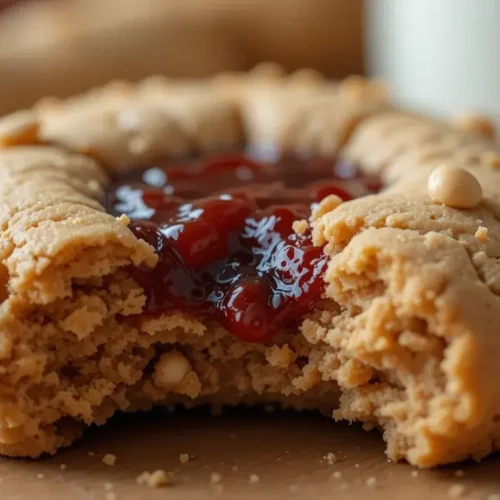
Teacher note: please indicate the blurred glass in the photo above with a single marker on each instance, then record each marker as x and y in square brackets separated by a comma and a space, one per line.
[440, 56]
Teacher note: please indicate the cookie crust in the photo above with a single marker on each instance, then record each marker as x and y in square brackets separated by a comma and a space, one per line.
[405, 338]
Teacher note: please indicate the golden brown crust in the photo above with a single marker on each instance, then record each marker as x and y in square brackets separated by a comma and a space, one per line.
[405, 335]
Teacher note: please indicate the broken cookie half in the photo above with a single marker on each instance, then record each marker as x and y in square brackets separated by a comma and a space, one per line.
[316, 266]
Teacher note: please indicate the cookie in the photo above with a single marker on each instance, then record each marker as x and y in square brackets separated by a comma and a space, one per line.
[134, 277]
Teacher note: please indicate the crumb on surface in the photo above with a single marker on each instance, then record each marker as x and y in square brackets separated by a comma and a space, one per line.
[253, 479]
[356, 465]
[185, 457]
[235, 468]
[63, 466]
[215, 478]
[155, 479]
[456, 490]
[331, 458]
[107, 486]
[109, 459]
[40, 475]
[482, 234]
[300, 226]
[459, 473]
[337, 475]
[414, 473]
[371, 482]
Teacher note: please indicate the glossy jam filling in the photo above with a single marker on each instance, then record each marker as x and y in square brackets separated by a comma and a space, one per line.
[222, 227]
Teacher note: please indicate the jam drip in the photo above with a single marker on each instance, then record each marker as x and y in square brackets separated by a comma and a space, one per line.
[222, 228]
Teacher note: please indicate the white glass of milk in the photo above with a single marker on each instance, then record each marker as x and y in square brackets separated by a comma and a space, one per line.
[440, 56]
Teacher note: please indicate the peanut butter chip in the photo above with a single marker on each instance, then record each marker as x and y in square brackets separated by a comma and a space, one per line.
[454, 187]
[170, 369]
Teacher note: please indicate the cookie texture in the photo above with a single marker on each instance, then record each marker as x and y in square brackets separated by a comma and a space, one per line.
[405, 338]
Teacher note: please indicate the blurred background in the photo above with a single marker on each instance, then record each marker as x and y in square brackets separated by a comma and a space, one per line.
[437, 55]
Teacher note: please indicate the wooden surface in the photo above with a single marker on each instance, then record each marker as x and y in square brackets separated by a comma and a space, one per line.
[285, 450]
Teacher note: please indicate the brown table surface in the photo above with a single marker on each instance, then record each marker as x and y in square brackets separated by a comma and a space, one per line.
[286, 450]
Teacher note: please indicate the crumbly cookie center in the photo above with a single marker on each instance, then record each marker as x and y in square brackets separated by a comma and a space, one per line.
[232, 235]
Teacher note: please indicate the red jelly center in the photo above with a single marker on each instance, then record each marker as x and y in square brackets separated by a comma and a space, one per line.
[222, 228]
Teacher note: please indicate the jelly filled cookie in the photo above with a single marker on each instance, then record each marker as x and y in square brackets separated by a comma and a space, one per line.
[253, 238]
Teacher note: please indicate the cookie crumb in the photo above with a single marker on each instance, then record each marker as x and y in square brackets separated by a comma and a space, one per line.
[356, 465]
[459, 473]
[215, 478]
[331, 458]
[62, 466]
[40, 475]
[456, 490]
[155, 479]
[185, 457]
[337, 475]
[482, 234]
[123, 219]
[414, 473]
[253, 479]
[300, 226]
[331, 202]
[109, 459]
[371, 482]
